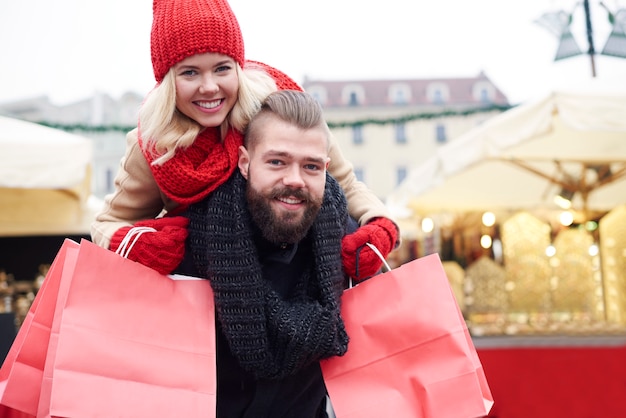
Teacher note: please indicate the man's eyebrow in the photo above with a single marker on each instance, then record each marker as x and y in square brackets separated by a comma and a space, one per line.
[316, 160]
[285, 154]
[275, 153]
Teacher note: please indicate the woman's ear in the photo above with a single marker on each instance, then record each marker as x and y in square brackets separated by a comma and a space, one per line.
[244, 161]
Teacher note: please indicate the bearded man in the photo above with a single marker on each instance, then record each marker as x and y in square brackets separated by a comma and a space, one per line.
[269, 240]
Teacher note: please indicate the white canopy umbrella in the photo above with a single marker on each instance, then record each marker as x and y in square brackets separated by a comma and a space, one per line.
[45, 180]
[571, 138]
[37, 157]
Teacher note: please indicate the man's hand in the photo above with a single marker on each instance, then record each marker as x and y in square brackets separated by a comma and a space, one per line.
[380, 232]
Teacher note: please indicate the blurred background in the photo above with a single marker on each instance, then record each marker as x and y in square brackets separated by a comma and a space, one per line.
[467, 118]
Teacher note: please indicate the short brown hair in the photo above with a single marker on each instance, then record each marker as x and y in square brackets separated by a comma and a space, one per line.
[295, 107]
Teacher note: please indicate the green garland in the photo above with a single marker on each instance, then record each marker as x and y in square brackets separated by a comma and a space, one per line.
[87, 128]
[419, 116]
[397, 120]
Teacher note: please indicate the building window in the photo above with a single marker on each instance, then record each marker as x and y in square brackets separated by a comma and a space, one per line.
[353, 95]
[353, 99]
[401, 173]
[357, 134]
[438, 93]
[484, 96]
[399, 93]
[440, 133]
[359, 173]
[483, 92]
[400, 133]
[108, 178]
[319, 93]
[398, 97]
[438, 97]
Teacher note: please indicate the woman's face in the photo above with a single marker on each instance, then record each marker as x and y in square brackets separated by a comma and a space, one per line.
[206, 87]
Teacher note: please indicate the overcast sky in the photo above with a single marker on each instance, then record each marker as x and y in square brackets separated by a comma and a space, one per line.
[70, 49]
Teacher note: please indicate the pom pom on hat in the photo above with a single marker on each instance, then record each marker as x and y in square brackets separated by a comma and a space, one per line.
[182, 28]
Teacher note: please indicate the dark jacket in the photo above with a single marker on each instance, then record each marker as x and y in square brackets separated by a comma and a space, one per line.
[239, 393]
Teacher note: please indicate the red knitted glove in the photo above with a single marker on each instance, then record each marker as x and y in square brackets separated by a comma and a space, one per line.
[380, 232]
[163, 249]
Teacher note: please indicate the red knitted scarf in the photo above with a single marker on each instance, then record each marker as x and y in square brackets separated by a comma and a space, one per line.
[196, 171]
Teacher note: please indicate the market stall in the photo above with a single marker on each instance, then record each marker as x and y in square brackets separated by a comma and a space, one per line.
[45, 196]
[530, 207]
[45, 180]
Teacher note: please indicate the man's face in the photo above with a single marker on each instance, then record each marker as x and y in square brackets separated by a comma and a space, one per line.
[286, 173]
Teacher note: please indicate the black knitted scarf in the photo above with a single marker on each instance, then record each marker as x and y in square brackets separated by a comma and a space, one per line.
[271, 337]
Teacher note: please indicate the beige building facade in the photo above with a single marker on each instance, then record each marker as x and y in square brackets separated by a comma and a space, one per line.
[385, 127]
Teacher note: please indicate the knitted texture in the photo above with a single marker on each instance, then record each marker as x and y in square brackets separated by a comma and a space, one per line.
[283, 81]
[359, 261]
[271, 337]
[162, 250]
[182, 28]
[199, 169]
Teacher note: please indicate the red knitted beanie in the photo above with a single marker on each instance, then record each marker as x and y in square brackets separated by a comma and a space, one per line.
[182, 28]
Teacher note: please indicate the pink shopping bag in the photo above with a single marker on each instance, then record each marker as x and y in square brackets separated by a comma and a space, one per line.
[130, 343]
[410, 353]
[22, 371]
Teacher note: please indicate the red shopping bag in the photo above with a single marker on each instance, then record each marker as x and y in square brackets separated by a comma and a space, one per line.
[6, 412]
[130, 343]
[22, 371]
[410, 353]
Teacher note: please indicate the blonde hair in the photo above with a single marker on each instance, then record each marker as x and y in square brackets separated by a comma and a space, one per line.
[164, 129]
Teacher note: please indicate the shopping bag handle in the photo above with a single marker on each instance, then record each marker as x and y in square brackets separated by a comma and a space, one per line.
[379, 254]
[131, 238]
[376, 251]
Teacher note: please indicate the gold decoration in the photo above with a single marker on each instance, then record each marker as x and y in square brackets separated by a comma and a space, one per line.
[456, 276]
[575, 292]
[525, 239]
[487, 298]
[612, 229]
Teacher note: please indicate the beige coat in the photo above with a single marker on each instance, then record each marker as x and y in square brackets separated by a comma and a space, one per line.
[137, 196]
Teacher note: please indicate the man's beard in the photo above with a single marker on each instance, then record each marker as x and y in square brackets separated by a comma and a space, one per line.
[282, 228]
